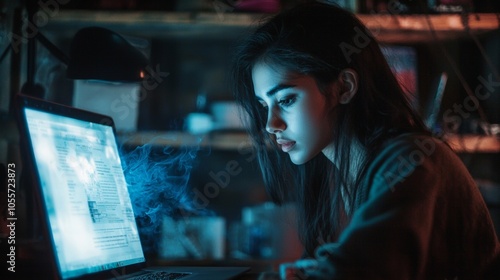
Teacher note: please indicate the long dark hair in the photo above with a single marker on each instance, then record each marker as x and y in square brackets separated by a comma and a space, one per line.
[320, 40]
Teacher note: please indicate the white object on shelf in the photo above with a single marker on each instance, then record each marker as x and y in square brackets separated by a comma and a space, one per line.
[193, 237]
[117, 100]
[199, 123]
[227, 115]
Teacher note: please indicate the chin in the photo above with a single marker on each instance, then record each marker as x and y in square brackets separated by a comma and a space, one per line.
[299, 157]
[299, 160]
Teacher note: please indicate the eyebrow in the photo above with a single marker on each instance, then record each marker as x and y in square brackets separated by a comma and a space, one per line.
[277, 88]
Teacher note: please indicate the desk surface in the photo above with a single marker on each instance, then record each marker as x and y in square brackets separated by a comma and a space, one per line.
[31, 258]
[257, 267]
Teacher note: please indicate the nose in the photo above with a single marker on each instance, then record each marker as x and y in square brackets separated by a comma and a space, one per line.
[275, 123]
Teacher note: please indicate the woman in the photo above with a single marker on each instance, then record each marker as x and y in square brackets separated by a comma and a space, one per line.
[378, 197]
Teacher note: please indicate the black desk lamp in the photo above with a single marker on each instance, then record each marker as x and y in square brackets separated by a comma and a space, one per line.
[96, 53]
[100, 54]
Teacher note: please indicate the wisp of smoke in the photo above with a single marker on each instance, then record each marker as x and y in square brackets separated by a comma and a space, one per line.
[157, 178]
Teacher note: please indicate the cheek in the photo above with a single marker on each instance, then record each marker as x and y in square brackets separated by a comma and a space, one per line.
[313, 126]
[320, 126]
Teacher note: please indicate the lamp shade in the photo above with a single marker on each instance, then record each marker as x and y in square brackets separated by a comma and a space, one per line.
[98, 53]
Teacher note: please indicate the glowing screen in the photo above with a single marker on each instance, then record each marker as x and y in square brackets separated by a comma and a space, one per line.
[84, 189]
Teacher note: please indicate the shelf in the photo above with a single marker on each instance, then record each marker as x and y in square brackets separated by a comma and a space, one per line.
[152, 24]
[216, 140]
[473, 143]
[417, 28]
[386, 28]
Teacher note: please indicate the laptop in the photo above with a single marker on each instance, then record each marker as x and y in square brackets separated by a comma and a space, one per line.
[85, 205]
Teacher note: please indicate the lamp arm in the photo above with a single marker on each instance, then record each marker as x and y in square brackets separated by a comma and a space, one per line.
[52, 48]
[32, 8]
[5, 52]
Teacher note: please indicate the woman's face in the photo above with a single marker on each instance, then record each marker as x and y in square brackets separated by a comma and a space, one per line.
[299, 115]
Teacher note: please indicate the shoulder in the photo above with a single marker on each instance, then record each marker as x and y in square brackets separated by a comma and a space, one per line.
[412, 148]
[424, 158]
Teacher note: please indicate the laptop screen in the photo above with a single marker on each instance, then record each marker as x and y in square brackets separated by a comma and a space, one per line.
[83, 188]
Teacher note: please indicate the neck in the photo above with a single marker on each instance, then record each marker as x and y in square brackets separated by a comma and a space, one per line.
[357, 153]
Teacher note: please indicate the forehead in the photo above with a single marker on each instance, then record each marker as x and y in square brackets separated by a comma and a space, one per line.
[268, 80]
[263, 72]
[265, 77]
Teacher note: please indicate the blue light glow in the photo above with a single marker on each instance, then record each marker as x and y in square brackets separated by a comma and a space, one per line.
[158, 183]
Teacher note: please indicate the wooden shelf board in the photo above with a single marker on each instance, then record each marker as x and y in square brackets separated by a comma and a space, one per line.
[386, 28]
[473, 143]
[220, 141]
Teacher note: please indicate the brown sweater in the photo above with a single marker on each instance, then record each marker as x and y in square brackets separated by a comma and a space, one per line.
[419, 215]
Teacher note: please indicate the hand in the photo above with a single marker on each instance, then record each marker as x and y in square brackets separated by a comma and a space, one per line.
[299, 270]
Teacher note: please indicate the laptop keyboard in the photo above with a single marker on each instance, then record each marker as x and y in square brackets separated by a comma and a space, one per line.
[161, 275]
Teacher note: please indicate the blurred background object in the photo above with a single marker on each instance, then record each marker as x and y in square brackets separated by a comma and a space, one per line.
[266, 231]
[193, 238]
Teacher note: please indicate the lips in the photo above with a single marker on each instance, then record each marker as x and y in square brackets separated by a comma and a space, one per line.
[286, 145]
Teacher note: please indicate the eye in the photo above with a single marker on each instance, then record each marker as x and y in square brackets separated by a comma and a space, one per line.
[287, 101]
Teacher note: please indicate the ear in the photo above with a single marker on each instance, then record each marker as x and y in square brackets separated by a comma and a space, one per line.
[349, 80]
